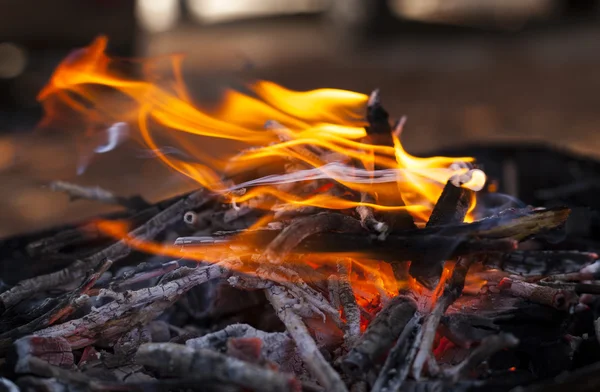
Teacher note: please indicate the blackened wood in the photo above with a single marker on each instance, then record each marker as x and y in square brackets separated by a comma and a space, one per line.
[301, 228]
[133, 308]
[379, 336]
[284, 305]
[451, 208]
[557, 298]
[59, 308]
[518, 224]
[452, 290]
[177, 360]
[533, 263]
[488, 347]
[277, 347]
[397, 364]
[394, 248]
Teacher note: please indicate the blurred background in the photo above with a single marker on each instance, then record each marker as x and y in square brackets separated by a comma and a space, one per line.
[463, 71]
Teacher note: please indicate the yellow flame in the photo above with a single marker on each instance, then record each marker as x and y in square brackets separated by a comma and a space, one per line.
[305, 129]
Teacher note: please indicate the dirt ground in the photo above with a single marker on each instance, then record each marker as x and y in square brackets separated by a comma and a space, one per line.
[455, 88]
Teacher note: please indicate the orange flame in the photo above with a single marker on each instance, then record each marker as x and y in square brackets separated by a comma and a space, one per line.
[320, 132]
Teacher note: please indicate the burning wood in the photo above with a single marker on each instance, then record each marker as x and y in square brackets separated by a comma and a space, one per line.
[319, 217]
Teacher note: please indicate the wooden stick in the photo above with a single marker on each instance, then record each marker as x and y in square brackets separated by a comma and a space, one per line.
[379, 336]
[116, 317]
[557, 298]
[114, 252]
[397, 364]
[304, 227]
[452, 290]
[202, 364]
[394, 248]
[307, 348]
[488, 347]
[533, 263]
[451, 208]
[348, 302]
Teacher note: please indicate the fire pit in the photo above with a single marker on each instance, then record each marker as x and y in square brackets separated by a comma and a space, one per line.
[320, 257]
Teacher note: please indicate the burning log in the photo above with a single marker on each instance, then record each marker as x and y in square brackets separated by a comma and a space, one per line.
[557, 298]
[538, 263]
[206, 365]
[451, 208]
[394, 248]
[379, 336]
[307, 348]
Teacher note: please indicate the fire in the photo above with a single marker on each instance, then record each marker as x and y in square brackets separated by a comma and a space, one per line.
[316, 136]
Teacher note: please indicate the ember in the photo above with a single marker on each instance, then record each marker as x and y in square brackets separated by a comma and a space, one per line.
[376, 273]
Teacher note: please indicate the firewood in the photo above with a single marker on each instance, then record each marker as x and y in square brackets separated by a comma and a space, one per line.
[451, 208]
[116, 317]
[202, 364]
[488, 347]
[302, 228]
[114, 252]
[379, 336]
[348, 301]
[61, 308]
[557, 298]
[278, 347]
[54, 350]
[394, 248]
[452, 290]
[397, 364]
[585, 379]
[532, 263]
[313, 358]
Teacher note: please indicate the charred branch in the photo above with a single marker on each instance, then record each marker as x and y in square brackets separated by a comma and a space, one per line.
[544, 295]
[394, 248]
[302, 228]
[538, 263]
[116, 317]
[488, 347]
[114, 252]
[379, 336]
[348, 301]
[307, 348]
[397, 364]
[177, 360]
[451, 208]
[277, 347]
[452, 290]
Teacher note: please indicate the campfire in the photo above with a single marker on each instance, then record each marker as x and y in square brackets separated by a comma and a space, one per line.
[320, 256]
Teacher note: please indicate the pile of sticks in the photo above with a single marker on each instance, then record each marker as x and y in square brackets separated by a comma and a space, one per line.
[95, 313]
